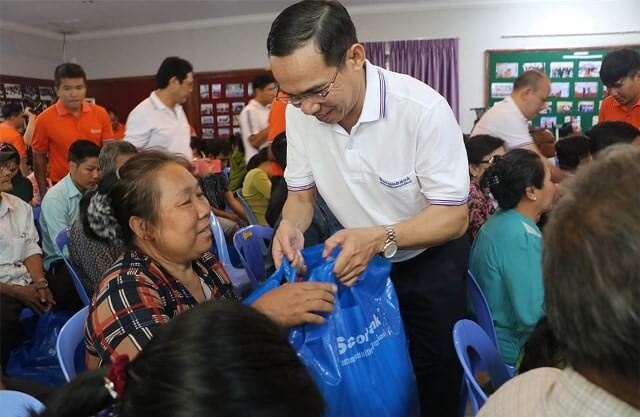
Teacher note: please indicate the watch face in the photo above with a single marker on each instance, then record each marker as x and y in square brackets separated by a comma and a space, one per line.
[390, 250]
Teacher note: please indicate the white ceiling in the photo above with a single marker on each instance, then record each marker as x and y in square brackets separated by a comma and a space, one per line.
[104, 16]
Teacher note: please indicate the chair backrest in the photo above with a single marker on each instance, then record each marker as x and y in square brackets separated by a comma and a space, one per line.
[70, 338]
[476, 352]
[481, 308]
[251, 216]
[62, 240]
[242, 284]
[18, 404]
[252, 248]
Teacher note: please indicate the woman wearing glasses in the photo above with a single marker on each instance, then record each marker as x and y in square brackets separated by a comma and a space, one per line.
[480, 151]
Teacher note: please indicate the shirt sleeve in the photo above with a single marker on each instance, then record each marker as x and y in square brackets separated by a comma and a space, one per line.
[262, 184]
[298, 174]
[248, 126]
[31, 235]
[107, 130]
[125, 317]
[53, 219]
[137, 130]
[441, 158]
[18, 142]
[605, 112]
[40, 139]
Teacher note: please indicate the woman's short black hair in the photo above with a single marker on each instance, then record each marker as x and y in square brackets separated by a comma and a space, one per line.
[510, 175]
[257, 159]
[479, 146]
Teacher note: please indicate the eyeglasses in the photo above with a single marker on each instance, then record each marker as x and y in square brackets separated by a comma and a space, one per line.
[491, 160]
[296, 100]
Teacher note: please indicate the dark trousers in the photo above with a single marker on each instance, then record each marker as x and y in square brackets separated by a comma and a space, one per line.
[431, 290]
[64, 293]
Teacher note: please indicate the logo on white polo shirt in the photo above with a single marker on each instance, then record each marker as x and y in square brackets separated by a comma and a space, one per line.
[398, 183]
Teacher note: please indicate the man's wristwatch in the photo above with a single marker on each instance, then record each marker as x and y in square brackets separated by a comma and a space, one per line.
[390, 245]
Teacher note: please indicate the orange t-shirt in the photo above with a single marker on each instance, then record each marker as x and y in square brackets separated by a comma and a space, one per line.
[612, 110]
[10, 134]
[277, 125]
[118, 133]
[56, 129]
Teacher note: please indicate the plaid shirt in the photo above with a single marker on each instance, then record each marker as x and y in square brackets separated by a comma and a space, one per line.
[136, 296]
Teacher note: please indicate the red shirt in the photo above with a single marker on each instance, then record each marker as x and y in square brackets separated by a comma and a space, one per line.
[612, 110]
[57, 129]
[10, 134]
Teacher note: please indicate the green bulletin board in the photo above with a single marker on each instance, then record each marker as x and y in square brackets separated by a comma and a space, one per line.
[576, 89]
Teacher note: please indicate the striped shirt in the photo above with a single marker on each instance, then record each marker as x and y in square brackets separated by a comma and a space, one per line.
[137, 295]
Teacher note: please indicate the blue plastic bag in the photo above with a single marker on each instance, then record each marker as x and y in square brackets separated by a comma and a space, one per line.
[36, 359]
[359, 357]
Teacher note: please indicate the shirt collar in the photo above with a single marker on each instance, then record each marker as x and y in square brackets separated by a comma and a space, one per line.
[375, 97]
[617, 104]
[158, 104]
[512, 102]
[5, 204]
[62, 110]
[70, 188]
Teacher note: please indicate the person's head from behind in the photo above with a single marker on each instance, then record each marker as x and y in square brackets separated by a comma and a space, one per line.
[114, 154]
[13, 115]
[84, 166]
[572, 152]
[530, 92]
[620, 73]
[590, 268]
[70, 83]
[219, 149]
[609, 133]
[113, 116]
[264, 88]
[317, 60]
[567, 129]
[9, 165]
[219, 359]
[279, 149]
[260, 161]
[520, 180]
[153, 204]
[480, 152]
[196, 147]
[544, 141]
[175, 79]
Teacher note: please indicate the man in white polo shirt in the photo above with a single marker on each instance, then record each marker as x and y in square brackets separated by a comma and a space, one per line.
[509, 118]
[254, 118]
[385, 152]
[159, 121]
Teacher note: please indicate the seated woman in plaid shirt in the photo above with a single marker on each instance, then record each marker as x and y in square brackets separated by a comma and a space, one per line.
[154, 204]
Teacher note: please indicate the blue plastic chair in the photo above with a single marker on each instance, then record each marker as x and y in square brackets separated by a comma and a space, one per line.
[62, 240]
[18, 404]
[476, 352]
[70, 344]
[242, 284]
[252, 248]
[251, 216]
[481, 308]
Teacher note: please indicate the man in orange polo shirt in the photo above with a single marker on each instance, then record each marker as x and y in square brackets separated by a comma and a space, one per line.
[13, 120]
[69, 120]
[277, 125]
[118, 128]
[620, 72]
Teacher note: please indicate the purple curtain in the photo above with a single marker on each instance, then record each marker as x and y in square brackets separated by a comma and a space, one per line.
[375, 52]
[434, 62]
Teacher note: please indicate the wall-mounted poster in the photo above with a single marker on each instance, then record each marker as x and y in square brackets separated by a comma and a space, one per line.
[237, 107]
[236, 131]
[574, 120]
[501, 89]
[234, 90]
[588, 89]
[223, 120]
[560, 90]
[206, 109]
[250, 89]
[507, 70]
[530, 66]
[31, 93]
[547, 108]
[1, 91]
[12, 91]
[548, 122]
[222, 108]
[564, 106]
[561, 70]
[216, 90]
[224, 132]
[207, 133]
[594, 120]
[46, 94]
[589, 69]
[206, 120]
[236, 120]
[586, 106]
[204, 91]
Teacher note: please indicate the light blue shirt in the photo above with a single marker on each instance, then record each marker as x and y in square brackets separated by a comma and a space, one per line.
[59, 209]
[506, 259]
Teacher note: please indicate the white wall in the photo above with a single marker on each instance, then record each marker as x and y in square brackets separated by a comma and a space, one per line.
[479, 27]
[28, 55]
